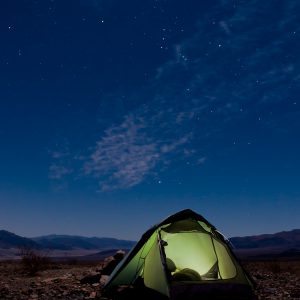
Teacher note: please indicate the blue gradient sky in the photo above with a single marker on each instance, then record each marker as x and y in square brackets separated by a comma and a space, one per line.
[115, 114]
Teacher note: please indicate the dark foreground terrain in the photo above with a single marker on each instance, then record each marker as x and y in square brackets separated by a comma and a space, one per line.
[275, 280]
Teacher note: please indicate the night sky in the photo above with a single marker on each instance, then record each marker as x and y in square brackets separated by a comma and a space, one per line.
[115, 114]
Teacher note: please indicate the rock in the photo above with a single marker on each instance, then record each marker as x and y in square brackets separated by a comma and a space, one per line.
[95, 284]
[104, 279]
[93, 295]
[107, 270]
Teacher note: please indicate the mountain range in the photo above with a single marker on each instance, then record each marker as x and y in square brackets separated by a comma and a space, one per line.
[61, 242]
[286, 242]
[69, 242]
[284, 239]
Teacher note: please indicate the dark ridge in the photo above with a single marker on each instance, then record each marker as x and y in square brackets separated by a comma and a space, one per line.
[10, 240]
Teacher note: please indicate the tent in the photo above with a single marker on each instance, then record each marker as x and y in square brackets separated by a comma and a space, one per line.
[183, 257]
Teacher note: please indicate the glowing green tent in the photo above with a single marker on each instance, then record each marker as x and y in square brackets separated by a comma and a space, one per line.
[183, 257]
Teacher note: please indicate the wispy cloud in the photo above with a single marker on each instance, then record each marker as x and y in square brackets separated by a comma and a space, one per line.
[57, 172]
[60, 165]
[201, 160]
[127, 154]
[225, 27]
[59, 154]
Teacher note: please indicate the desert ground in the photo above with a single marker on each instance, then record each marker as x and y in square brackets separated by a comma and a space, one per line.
[276, 280]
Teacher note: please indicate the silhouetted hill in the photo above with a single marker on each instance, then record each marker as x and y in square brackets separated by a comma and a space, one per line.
[284, 240]
[10, 240]
[69, 242]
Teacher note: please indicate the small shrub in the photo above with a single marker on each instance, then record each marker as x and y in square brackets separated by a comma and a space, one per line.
[33, 261]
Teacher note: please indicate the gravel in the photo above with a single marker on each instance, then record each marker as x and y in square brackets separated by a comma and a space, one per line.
[275, 281]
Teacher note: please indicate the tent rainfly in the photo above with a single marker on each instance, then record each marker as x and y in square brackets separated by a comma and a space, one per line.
[183, 257]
